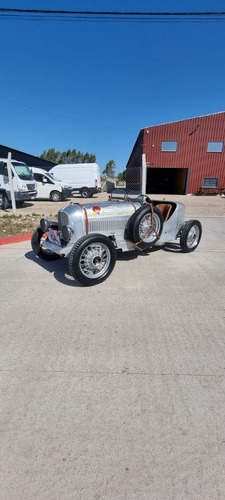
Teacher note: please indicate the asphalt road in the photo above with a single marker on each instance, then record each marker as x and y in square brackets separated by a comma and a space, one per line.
[115, 391]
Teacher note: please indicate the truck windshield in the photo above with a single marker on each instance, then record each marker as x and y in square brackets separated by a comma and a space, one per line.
[23, 171]
[52, 177]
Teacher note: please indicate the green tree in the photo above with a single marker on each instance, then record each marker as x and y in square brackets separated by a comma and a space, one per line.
[50, 155]
[110, 169]
[69, 156]
[121, 176]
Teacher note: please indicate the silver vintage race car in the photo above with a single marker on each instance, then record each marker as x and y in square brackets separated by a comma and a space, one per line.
[90, 234]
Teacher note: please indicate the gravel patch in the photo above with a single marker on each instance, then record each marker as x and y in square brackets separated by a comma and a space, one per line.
[195, 205]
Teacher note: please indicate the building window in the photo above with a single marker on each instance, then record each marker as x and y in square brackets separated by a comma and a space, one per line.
[169, 146]
[210, 182]
[215, 147]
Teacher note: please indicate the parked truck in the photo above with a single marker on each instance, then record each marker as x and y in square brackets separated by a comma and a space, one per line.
[49, 187]
[23, 183]
[83, 177]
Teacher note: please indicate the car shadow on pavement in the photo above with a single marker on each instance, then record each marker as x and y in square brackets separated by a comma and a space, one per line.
[172, 247]
[59, 268]
[134, 254]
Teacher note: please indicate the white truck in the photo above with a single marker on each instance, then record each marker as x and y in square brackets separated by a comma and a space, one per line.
[83, 177]
[23, 183]
[49, 187]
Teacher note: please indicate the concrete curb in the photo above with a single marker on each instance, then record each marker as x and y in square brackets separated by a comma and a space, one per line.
[15, 239]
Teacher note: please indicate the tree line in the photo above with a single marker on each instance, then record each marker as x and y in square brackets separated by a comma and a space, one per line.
[69, 156]
[74, 156]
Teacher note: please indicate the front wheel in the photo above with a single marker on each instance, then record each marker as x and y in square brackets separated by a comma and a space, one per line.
[37, 238]
[55, 196]
[92, 259]
[190, 236]
[5, 202]
[19, 203]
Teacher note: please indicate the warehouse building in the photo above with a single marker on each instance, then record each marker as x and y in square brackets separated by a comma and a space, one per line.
[186, 156]
[30, 160]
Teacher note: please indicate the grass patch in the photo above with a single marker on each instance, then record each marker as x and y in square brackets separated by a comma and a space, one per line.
[11, 225]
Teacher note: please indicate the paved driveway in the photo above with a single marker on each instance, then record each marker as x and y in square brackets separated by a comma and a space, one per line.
[115, 391]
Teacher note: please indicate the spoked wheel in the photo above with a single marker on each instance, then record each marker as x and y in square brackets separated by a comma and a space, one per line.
[141, 222]
[43, 253]
[92, 259]
[190, 236]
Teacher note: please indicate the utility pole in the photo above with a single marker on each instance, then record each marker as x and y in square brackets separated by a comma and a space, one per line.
[11, 182]
[143, 175]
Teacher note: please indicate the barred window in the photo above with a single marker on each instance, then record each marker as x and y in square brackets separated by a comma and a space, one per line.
[210, 182]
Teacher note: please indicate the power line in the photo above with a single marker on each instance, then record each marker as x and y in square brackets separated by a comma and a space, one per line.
[74, 15]
[116, 13]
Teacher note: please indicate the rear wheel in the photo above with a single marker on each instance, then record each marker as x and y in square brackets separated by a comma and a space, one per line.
[85, 193]
[36, 240]
[190, 236]
[55, 196]
[92, 259]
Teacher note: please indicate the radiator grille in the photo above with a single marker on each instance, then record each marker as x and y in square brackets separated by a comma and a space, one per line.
[62, 219]
[107, 224]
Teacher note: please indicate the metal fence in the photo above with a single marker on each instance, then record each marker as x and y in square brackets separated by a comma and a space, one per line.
[133, 178]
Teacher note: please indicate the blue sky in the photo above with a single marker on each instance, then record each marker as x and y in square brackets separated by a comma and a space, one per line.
[93, 85]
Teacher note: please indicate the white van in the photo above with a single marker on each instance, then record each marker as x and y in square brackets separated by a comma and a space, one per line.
[23, 183]
[83, 177]
[49, 187]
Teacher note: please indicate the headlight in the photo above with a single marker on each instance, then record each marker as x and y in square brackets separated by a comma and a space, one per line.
[66, 232]
[44, 225]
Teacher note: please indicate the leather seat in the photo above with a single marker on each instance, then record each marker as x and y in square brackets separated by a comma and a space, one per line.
[165, 208]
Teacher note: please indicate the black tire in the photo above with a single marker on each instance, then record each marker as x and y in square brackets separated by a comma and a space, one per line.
[92, 259]
[55, 196]
[85, 193]
[140, 221]
[36, 246]
[5, 202]
[190, 236]
[19, 203]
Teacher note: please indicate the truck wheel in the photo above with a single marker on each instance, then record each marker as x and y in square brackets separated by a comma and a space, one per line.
[140, 222]
[55, 196]
[36, 240]
[190, 236]
[5, 202]
[92, 259]
[85, 193]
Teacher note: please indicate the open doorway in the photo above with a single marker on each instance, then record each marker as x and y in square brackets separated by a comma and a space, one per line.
[167, 180]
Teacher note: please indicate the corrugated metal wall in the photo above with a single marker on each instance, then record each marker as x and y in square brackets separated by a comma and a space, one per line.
[192, 136]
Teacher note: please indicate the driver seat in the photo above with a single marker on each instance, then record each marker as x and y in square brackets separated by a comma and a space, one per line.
[165, 209]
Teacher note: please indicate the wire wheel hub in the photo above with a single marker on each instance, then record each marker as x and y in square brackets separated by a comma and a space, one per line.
[94, 260]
